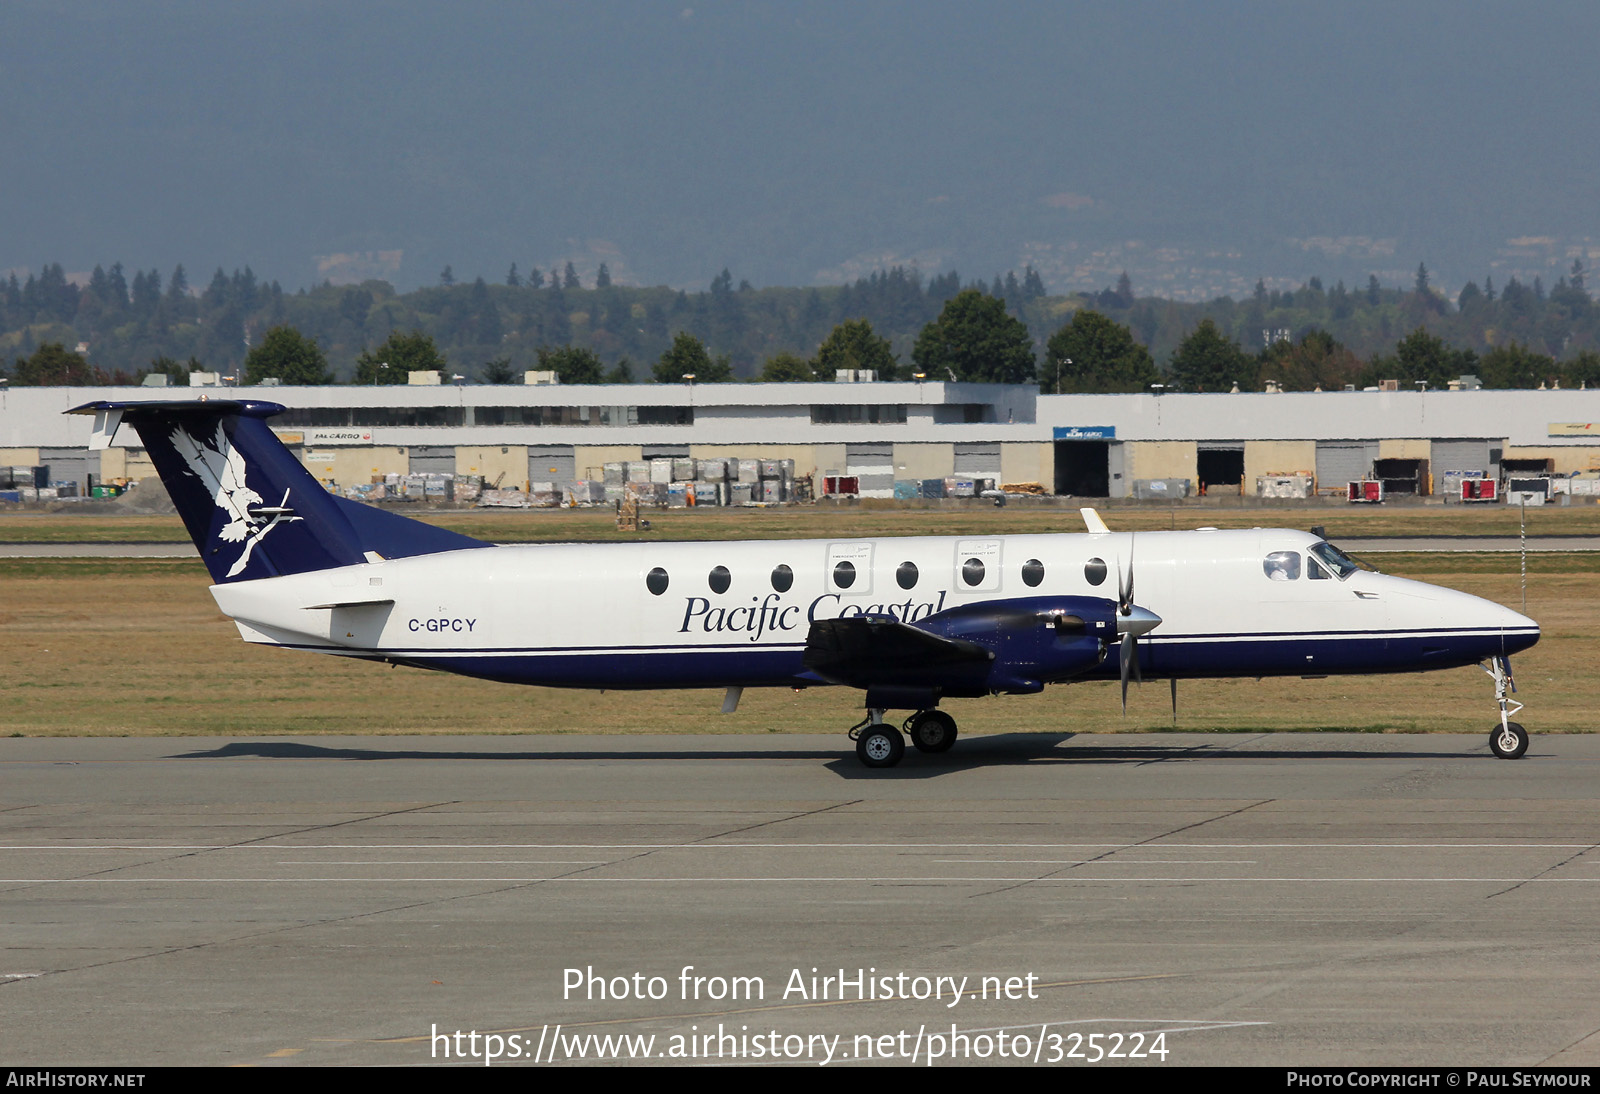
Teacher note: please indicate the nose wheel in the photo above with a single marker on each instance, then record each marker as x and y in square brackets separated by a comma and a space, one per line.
[1508, 740]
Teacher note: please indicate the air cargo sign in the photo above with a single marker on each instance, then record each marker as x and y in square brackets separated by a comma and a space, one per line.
[1084, 433]
[338, 436]
[764, 615]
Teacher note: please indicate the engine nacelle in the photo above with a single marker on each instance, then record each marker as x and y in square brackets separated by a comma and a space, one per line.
[1035, 640]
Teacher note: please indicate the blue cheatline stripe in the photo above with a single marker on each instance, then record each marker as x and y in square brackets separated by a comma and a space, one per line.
[517, 651]
[1152, 639]
[678, 666]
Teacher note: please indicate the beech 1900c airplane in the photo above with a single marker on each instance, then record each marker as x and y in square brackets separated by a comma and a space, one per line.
[909, 621]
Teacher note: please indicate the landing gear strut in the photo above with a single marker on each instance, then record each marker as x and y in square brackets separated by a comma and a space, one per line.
[1508, 740]
[879, 744]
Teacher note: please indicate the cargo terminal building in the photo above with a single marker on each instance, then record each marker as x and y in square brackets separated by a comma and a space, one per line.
[515, 436]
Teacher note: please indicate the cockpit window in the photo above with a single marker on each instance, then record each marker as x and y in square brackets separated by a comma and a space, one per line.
[1315, 571]
[1282, 565]
[1340, 563]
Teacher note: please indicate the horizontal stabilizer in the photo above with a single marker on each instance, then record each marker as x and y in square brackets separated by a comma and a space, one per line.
[350, 604]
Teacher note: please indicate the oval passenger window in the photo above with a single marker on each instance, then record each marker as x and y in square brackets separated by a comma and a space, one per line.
[906, 575]
[972, 572]
[782, 578]
[1032, 573]
[656, 581]
[1282, 565]
[719, 579]
[844, 575]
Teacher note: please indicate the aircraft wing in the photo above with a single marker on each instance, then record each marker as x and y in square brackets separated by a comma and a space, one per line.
[876, 651]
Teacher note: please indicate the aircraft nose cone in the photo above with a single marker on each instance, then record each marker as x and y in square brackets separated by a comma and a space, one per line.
[1517, 631]
[1138, 621]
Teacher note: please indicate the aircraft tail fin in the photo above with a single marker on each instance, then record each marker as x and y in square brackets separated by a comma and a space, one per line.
[250, 506]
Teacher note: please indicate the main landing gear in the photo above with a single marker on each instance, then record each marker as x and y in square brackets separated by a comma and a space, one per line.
[1508, 740]
[879, 744]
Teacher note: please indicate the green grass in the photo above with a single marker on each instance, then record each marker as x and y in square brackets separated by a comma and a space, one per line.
[878, 518]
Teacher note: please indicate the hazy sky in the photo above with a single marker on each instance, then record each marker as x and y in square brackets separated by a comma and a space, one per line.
[799, 143]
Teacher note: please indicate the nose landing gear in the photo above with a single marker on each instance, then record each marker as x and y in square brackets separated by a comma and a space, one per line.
[1508, 740]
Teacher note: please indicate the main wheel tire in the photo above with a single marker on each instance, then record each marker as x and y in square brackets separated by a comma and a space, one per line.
[932, 731]
[1509, 741]
[880, 746]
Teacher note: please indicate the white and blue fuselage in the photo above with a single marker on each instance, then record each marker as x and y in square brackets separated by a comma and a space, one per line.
[908, 621]
[696, 614]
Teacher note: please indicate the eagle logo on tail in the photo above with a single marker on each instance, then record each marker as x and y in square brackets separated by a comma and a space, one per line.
[221, 469]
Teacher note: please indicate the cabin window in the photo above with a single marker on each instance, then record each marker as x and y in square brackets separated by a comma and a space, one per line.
[1282, 565]
[1094, 571]
[719, 579]
[906, 575]
[972, 571]
[656, 581]
[782, 578]
[1032, 573]
[844, 575]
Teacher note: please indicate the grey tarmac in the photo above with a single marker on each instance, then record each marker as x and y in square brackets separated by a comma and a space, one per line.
[1262, 899]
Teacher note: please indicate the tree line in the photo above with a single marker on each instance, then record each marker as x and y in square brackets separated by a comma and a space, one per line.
[893, 322]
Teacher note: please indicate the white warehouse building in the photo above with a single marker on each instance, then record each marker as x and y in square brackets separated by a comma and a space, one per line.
[1084, 445]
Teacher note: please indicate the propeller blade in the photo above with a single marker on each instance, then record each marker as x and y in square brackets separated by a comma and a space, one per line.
[1174, 683]
[1127, 655]
[1133, 622]
[1127, 596]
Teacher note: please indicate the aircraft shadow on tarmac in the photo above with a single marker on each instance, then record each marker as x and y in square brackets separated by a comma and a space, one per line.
[994, 750]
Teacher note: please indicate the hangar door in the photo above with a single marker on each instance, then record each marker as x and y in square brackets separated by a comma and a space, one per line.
[1219, 465]
[70, 465]
[555, 463]
[432, 459]
[1083, 468]
[873, 465]
[1340, 462]
[977, 461]
[1460, 456]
